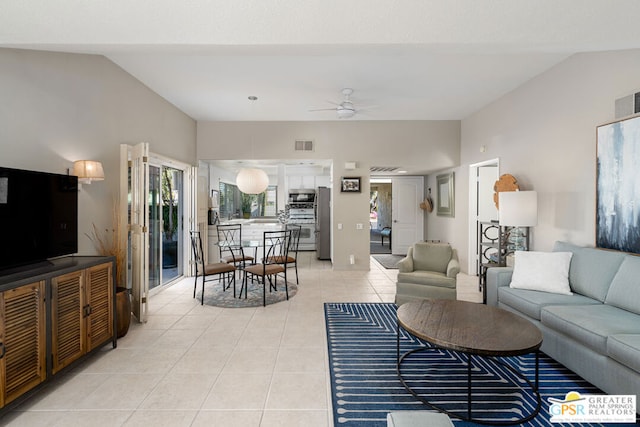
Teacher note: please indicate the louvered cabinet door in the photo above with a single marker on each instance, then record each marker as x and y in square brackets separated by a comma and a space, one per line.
[99, 294]
[68, 312]
[22, 333]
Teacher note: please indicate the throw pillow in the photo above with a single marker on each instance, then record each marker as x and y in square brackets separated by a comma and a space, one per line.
[542, 271]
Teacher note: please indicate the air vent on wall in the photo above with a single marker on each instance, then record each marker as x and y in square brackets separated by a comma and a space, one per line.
[383, 168]
[628, 105]
[304, 145]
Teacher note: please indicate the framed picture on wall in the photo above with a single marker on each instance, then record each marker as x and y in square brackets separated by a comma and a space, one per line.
[446, 197]
[350, 185]
[617, 185]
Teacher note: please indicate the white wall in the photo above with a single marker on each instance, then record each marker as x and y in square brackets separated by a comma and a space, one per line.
[429, 144]
[544, 133]
[451, 230]
[57, 107]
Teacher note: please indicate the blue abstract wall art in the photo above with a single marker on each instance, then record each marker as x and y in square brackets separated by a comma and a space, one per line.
[618, 186]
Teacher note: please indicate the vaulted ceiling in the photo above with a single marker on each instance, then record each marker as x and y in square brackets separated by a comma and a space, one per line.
[404, 59]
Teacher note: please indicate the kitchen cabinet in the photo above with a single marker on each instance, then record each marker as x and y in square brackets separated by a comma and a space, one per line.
[323, 181]
[212, 243]
[299, 182]
[22, 340]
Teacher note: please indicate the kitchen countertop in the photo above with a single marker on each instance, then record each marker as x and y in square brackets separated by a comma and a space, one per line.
[253, 221]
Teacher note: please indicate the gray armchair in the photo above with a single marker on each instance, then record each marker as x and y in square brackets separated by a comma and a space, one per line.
[428, 271]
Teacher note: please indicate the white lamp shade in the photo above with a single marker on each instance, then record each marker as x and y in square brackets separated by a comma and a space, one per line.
[518, 208]
[252, 181]
[88, 170]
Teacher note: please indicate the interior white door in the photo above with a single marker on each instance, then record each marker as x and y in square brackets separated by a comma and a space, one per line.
[139, 228]
[407, 225]
[487, 177]
[482, 177]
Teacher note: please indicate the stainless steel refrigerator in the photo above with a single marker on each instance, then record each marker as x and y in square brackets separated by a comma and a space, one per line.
[323, 223]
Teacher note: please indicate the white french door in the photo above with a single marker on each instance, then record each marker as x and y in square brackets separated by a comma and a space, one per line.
[134, 191]
[156, 211]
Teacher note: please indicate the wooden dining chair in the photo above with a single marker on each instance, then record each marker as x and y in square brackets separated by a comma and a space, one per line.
[276, 246]
[230, 245]
[220, 270]
[292, 255]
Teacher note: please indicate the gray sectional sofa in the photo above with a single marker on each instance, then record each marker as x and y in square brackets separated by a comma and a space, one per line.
[596, 331]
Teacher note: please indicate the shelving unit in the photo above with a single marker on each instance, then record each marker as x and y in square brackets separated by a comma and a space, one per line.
[494, 244]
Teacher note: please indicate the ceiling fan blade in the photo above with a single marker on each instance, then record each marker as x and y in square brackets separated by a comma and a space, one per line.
[323, 109]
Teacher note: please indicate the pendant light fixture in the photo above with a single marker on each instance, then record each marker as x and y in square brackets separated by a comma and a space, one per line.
[252, 180]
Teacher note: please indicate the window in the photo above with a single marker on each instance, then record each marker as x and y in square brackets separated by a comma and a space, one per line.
[236, 204]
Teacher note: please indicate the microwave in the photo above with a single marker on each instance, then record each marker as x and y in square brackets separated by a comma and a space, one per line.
[302, 196]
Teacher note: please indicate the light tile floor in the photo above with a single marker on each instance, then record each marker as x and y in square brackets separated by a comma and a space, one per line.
[193, 365]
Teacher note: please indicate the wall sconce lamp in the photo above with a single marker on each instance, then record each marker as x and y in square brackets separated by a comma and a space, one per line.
[88, 171]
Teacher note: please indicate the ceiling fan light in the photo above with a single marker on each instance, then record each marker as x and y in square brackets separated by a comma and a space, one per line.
[345, 113]
[252, 180]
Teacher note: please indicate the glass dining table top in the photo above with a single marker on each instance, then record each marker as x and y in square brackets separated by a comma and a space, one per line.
[241, 243]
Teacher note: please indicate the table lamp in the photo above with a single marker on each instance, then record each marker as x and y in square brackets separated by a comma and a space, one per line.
[518, 209]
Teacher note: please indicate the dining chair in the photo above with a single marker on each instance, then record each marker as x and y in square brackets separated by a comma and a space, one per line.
[292, 255]
[230, 245]
[219, 269]
[276, 246]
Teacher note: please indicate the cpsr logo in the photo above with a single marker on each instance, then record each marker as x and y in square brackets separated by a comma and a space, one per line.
[593, 408]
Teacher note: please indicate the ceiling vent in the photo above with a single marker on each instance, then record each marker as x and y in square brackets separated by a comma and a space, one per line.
[379, 169]
[303, 145]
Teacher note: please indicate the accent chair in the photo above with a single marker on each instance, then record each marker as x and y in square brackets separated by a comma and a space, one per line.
[428, 271]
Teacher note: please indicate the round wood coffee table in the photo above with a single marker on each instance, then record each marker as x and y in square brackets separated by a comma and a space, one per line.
[473, 329]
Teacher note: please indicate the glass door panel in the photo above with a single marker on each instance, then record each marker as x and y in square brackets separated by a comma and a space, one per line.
[155, 222]
[172, 208]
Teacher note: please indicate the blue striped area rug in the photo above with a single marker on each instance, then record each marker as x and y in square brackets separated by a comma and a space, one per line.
[365, 385]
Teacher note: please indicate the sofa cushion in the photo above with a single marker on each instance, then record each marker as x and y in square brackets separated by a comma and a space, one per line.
[591, 270]
[590, 324]
[431, 256]
[624, 291]
[625, 348]
[427, 278]
[542, 271]
[531, 302]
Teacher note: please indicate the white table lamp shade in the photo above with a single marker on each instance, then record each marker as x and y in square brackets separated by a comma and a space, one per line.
[252, 181]
[518, 208]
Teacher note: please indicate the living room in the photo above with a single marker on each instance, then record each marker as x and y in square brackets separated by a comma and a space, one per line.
[534, 130]
[59, 107]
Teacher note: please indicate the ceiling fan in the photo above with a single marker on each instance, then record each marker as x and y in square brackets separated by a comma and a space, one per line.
[345, 109]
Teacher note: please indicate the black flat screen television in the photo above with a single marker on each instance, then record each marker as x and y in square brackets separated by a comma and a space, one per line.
[38, 217]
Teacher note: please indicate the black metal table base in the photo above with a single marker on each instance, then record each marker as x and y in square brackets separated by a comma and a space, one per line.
[469, 417]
